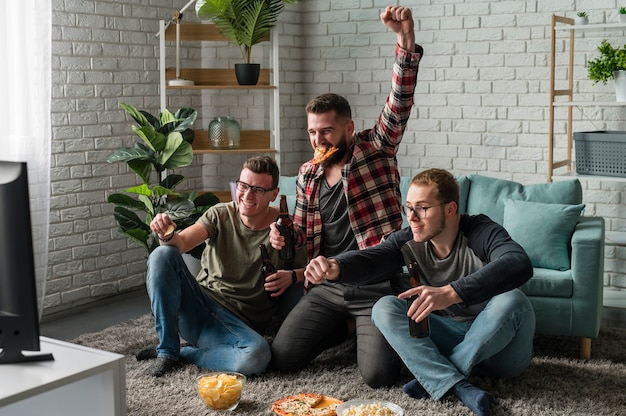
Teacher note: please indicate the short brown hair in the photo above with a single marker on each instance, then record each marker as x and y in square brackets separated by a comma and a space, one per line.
[330, 102]
[263, 164]
[447, 187]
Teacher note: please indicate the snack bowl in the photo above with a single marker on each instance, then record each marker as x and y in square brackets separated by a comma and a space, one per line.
[357, 404]
[221, 390]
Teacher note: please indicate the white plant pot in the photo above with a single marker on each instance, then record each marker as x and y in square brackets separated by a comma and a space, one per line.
[622, 18]
[581, 20]
[620, 86]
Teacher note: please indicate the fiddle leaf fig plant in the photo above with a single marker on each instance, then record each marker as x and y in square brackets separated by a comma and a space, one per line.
[243, 22]
[165, 144]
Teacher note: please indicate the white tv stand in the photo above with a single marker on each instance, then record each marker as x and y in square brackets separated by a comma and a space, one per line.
[80, 381]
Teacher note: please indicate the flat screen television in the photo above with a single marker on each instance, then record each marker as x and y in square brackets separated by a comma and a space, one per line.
[19, 319]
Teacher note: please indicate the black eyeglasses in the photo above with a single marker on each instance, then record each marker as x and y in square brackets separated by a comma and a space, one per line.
[419, 211]
[256, 190]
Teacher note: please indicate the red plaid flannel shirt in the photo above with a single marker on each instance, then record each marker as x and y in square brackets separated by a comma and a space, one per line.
[371, 181]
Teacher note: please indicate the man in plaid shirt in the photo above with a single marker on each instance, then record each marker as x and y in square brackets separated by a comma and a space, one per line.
[350, 201]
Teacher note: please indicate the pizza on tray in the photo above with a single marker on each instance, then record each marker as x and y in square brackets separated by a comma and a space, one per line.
[322, 153]
[306, 404]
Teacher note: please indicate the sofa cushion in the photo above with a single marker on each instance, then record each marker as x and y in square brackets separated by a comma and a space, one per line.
[543, 230]
[550, 283]
[287, 186]
[487, 195]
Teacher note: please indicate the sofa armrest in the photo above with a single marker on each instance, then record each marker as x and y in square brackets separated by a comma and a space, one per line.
[588, 273]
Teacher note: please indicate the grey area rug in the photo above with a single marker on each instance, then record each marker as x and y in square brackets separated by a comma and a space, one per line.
[556, 382]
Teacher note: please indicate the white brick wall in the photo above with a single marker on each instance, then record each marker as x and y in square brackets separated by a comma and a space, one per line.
[481, 107]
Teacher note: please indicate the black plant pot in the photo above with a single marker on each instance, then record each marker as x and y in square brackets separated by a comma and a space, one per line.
[247, 74]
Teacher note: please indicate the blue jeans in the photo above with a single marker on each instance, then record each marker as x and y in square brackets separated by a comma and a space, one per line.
[497, 343]
[182, 308]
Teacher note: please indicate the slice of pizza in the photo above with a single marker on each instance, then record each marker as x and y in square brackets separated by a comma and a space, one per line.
[330, 410]
[322, 153]
[297, 405]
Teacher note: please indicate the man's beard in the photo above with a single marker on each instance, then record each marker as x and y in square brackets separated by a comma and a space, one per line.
[337, 157]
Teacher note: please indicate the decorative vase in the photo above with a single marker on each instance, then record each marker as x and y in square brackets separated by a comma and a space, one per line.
[224, 133]
[622, 18]
[620, 86]
[581, 20]
[247, 74]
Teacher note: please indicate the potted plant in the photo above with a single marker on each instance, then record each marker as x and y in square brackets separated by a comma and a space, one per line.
[611, 64]
[165, 144]
[582, 18]
[245, 23]
[622, 14]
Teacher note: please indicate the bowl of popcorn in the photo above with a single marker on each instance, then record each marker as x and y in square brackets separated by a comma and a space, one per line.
[221, 390]
[369, 407]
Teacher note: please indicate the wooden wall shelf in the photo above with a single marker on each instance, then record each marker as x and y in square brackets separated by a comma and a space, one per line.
[252, 141]
[217, 78]
[197, 32]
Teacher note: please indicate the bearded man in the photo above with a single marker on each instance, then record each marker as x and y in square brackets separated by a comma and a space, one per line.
[348, 197]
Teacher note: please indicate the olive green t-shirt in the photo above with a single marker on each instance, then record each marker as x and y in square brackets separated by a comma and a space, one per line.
[231, 265]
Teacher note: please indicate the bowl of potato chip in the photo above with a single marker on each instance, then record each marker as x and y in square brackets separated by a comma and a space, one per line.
[221, 390]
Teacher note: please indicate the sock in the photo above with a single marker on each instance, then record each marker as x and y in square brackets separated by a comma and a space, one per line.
[477, 400]
[415, 390]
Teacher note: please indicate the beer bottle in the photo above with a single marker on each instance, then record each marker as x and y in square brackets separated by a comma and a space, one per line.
[416, 329]
[284, 224]
[267, 268]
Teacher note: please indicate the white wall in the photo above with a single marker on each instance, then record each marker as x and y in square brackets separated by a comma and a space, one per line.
[481, 107]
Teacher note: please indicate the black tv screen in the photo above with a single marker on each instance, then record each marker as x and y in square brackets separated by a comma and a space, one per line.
[19, 319]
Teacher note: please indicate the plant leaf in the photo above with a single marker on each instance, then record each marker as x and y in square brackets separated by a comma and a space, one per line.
[182, 155]
[125, 200]
[143, 168]
[137, 115]
[171, 181]
[128, 220]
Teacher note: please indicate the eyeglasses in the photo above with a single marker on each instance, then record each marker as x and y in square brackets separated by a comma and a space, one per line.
[257, 191]
[420, 212]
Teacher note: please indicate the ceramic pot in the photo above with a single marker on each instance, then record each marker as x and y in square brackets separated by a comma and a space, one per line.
[620, 86]
[581, 20]
[247, 74]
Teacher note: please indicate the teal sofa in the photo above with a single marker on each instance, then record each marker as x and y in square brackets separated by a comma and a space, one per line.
[565, 247]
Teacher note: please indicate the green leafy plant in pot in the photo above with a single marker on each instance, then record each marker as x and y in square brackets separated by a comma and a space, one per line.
[245, 23]
[611, 64]
[165, 144]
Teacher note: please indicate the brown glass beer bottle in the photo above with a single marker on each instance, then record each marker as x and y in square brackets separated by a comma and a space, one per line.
[416, 329]
[267, 268]
[284, 224]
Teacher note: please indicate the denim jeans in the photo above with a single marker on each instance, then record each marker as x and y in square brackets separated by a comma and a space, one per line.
[182, 308]
[497, 343]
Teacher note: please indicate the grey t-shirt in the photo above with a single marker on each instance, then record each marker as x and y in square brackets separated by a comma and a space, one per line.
[337, 234]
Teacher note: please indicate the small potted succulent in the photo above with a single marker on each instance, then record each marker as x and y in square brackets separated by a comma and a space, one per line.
[611, 64]
[582, 18]
[622, 14]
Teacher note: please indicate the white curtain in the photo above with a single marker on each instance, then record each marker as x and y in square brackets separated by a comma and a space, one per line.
[25, 85]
